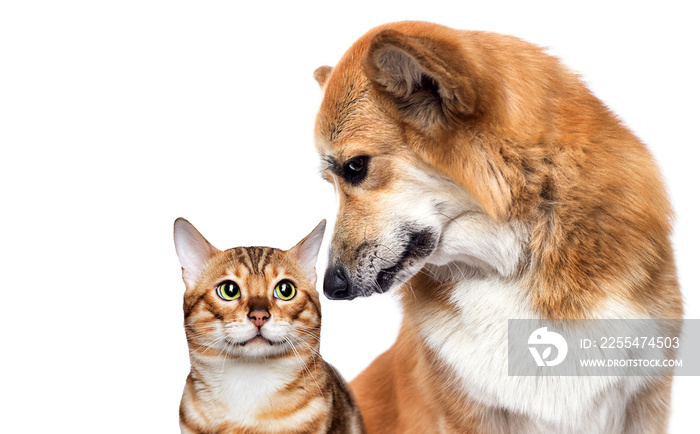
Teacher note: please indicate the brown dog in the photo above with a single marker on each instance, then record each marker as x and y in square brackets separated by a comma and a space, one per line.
[481, 179]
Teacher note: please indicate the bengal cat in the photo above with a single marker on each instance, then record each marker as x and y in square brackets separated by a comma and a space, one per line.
[252, 320]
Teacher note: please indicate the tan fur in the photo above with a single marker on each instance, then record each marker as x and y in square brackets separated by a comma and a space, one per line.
[524, 139]
[306, 395]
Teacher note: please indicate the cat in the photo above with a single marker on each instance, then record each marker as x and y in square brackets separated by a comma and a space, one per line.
[252, 320]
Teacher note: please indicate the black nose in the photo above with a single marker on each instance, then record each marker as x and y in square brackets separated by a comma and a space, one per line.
[336, 285]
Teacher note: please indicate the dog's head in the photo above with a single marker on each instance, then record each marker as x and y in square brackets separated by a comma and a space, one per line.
[469, 150]
[391, 113]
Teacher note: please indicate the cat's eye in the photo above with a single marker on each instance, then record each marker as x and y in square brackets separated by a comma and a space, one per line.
[285, 290]
[355, 170]
[228, 290]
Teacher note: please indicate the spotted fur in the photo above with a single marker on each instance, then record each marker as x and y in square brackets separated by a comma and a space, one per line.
[255, 362]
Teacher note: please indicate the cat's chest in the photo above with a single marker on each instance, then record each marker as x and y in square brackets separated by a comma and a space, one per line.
[245, 390]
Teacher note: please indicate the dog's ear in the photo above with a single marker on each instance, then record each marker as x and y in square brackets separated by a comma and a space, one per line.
[321, 74]
[427, 79]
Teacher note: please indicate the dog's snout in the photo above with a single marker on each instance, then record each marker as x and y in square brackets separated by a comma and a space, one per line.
[336, 284]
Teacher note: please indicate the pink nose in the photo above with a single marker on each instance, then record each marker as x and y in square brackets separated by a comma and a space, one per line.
[259, 317]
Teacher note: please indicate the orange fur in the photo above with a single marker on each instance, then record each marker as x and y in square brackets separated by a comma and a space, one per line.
[274, 381]
[531, 146]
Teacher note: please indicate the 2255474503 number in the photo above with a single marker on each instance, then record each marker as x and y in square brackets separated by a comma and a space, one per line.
[611, 342]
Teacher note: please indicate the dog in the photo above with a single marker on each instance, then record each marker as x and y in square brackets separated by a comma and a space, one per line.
[480, 180]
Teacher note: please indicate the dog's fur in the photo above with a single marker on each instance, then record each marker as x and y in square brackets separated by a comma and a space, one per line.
[495, 186]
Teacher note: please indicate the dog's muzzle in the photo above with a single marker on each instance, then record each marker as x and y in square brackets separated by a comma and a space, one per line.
[336, 285]
[339, 284]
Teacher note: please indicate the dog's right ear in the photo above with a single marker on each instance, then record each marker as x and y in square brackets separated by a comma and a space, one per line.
[427, 78]
[321, 74]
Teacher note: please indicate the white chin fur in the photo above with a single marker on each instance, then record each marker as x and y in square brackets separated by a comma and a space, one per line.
[467, 235]
[241, 340]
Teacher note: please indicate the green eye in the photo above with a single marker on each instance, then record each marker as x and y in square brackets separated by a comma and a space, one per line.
[228, 290]
[285, 290]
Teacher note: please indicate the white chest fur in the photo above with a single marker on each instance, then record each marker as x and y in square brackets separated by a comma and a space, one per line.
[473, 340]
[242, 390]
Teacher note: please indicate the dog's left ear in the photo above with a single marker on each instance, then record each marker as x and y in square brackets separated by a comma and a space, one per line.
[428, 79]
[321, 74]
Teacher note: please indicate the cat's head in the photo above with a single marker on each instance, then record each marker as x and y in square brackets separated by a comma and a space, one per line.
[249, 302]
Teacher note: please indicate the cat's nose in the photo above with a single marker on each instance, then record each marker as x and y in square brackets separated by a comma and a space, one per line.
[336, 284]
[259, 317]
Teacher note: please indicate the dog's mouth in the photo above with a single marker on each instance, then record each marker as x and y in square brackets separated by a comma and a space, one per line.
[339, 284]
[420, 245]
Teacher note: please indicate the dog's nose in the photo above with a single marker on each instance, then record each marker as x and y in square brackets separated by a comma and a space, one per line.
[336, 285]
[259, 317]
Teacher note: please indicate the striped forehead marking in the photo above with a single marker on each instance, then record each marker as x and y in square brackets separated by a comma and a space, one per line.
[254, 259]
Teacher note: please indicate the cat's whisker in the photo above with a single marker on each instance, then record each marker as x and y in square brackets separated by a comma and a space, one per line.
[198, 323]
[201, 349]
[299, 360]
[307, 327]
[223, 356]
[213, 343]
[199, 334]
[310, 334]
[302, 341]
[305, 367]
[315, 353]
[226, 290]
[204, 346]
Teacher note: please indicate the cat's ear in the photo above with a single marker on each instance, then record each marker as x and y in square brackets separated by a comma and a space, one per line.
[307, 249]
[193, 250]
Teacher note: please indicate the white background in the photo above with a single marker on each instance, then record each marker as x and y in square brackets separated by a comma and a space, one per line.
[117, 117]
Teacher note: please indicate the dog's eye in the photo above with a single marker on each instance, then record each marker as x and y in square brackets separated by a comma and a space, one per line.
[355, 169]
